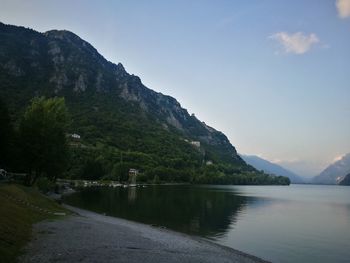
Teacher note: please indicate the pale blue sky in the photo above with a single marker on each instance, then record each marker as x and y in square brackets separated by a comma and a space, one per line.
[240, 66]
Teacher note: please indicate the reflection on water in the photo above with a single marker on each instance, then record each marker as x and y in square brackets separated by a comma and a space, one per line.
[188, 209]
[302, 223]
[132, 195]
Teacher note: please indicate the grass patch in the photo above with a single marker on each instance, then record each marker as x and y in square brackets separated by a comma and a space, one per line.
[16, 218]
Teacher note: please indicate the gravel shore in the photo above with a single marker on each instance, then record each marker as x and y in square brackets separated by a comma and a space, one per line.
[91, 237]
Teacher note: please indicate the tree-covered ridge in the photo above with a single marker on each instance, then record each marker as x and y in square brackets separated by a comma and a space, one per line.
[70, 67]
[121, 122]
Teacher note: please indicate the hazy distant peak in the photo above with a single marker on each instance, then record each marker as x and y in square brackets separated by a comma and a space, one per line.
[335, 172]
[269, 167]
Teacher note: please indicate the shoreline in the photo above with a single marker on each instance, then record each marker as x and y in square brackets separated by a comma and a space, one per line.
[91, 237]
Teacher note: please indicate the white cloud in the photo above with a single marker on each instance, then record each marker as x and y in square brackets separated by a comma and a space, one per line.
[297, 43]
[343, 7]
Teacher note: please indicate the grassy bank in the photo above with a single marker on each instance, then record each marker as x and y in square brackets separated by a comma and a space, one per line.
[20, 208]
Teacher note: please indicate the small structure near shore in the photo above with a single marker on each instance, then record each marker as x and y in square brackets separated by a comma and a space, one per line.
[3, 174]
[133, 175]
[74, 139]
[75, 136]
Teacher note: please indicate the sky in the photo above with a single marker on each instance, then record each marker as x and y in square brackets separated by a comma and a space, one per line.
[273, 75]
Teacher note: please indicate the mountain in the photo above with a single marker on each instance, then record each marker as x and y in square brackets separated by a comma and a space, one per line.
[271, 168]
[121, 122]
[346, 180]
[335, 172]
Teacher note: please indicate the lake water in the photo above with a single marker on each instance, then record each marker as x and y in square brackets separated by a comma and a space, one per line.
[297, 223]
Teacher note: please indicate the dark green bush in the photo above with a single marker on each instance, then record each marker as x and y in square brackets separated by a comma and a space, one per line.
[45, 185]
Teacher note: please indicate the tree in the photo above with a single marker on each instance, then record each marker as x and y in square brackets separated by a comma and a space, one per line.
[43, 138]
[6, 135]
[92, 170]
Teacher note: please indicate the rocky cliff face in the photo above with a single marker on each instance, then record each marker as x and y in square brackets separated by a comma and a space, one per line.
[60, 63]
[346, 180]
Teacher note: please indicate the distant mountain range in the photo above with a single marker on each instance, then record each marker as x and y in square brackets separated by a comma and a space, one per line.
[271, 168]
[335, 172]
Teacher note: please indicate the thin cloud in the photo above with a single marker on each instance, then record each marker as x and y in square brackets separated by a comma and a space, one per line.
[293, 160]
[297, 43]
[338, 158]
[343, 7]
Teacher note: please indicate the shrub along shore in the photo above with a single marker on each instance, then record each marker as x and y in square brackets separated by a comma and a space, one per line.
[20, 208]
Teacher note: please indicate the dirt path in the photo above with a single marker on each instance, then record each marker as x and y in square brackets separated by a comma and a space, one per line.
[90, 237]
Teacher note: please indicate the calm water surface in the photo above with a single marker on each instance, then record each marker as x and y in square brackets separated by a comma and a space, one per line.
[297, 223]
